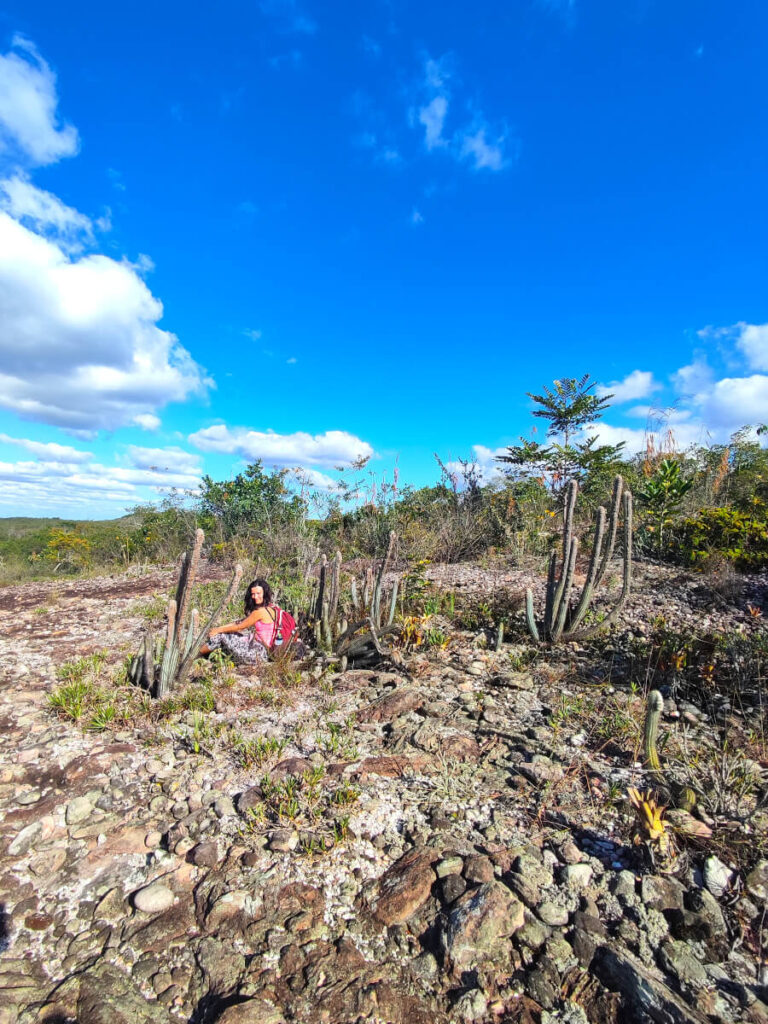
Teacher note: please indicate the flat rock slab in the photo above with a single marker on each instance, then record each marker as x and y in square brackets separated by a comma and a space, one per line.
[646, 996]
[479, 922]
[170, 928]
[109, 997]
[391, 706]
[405, 886]
[392, 767]
[254, 1011]
[460, 747]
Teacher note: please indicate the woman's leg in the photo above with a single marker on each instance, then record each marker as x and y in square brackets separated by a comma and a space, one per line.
[241, 649]
[214, 643]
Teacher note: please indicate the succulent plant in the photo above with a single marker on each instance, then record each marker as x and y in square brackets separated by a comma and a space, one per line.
[654, 707]
[160, 670]
[561, 620]
[353, 632]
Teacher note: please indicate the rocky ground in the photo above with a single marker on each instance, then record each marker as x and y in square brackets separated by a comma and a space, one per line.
[446, 838]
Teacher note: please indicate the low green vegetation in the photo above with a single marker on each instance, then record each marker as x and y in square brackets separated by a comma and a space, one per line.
[308, 803]
[699, 507]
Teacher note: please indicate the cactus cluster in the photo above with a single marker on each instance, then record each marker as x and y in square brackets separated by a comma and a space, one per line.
[352, 630]
[325, 601]
[561, 620]
[161, 665]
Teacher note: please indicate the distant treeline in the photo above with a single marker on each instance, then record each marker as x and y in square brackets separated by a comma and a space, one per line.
[704, 507]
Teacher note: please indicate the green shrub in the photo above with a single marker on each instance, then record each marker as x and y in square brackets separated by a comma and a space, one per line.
[738, 536]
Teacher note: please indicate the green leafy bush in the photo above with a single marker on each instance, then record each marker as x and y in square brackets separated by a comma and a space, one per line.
[661, 497]
[739, 536]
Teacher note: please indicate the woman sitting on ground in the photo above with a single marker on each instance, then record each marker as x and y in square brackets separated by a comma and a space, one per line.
[247, 642]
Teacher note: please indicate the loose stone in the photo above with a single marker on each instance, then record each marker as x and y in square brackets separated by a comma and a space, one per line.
[78, 810]
[153, 899]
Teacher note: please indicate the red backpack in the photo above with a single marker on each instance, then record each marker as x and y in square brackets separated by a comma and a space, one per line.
[285, 626]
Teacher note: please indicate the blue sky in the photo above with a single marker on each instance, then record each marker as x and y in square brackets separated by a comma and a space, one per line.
[304, 232]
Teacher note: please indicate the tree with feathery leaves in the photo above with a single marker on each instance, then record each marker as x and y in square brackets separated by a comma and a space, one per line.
[569, 406]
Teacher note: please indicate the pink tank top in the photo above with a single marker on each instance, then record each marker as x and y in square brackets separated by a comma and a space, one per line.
[264, 632]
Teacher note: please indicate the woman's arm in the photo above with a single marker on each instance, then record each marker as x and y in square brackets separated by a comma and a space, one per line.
[236, 627]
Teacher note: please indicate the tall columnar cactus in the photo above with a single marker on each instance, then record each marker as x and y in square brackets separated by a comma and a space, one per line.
[183, 637]
[187, 574]
[561, 619]
[376, 605]
[337, 625]
[335, 591]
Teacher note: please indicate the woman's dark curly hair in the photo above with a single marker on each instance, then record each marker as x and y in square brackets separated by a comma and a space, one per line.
[248, 602]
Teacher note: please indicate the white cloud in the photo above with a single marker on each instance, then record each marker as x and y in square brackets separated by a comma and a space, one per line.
[147, 421]
[730, 402]
[634, 438]
[160, 460]
[486, 468]
[693, 379]
[639, 411]
[753, 342]
[433, 112]
[436, 73]
[29, 124]
[750, 340]
[104, 223]
[736, 401]
[432, 117]
[637, 384]
[48, 451]
[486, 155]
[333, 448]
[143, 264]
[254, 335]
[476, 143]
[48, 496]
[704, 409]
[81, 348]
[485, 455]
[314, 479]
[45, 212]
[60, 484]
[416, 217]
[684, 431]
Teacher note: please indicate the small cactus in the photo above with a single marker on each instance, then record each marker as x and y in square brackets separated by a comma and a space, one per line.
[653, 711]
[683, 797]
[500, 635]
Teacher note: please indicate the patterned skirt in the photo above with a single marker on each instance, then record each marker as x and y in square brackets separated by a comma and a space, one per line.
[242, 648]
